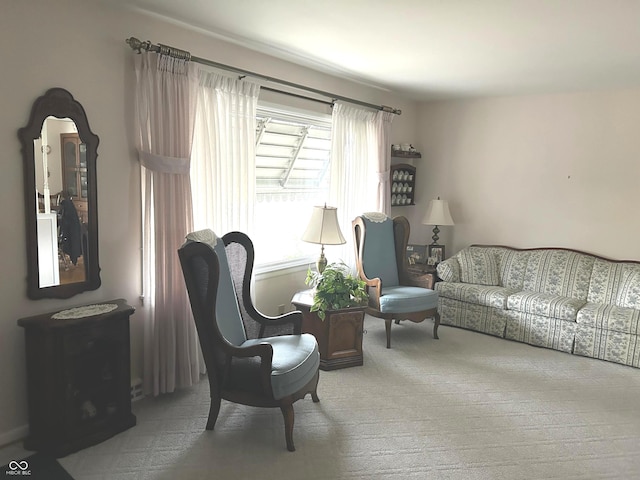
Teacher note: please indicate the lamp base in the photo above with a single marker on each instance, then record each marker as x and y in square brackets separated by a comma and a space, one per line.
[321, 263]
[435, 236]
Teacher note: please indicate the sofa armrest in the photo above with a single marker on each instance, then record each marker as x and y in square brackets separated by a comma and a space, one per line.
[449, 270]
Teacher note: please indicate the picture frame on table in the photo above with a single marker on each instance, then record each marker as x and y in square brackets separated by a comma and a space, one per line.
[435, 253]
[416, 254]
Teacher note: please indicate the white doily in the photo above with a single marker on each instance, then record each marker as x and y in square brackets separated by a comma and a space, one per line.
[204, 236]
[375, 217]
[86, 311]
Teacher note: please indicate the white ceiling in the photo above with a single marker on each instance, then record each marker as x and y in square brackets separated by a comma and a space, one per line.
[428, 49]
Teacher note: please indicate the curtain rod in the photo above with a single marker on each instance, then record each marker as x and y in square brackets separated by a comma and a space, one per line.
[138, 46]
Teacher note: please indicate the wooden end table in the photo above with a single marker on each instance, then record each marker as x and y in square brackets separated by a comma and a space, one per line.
[425, 275]
[339, 335]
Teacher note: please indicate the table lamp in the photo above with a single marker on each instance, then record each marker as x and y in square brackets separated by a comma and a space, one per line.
[324, 229]
[437, 214]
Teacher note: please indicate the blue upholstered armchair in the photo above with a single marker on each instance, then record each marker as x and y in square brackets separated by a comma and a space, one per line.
[267, 371]
[380, 244]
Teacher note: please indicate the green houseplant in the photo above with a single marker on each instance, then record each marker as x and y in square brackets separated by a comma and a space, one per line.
[335, 288]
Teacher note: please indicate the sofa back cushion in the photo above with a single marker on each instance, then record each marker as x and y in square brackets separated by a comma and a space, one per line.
[559, 272]
[478, 266]
[615, 283]
[629, 291]
[606, 279]
[512, 265]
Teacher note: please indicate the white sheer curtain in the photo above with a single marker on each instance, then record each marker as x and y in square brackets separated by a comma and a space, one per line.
[382, 137]
[165, 112]
[223, 158]
[354, 171]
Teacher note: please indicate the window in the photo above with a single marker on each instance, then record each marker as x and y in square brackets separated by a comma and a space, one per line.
[292, 175]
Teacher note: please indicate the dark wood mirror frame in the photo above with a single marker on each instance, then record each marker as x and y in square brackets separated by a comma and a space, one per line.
[59, 103]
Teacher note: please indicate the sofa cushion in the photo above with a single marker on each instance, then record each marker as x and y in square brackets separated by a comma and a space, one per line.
[545, 304]
[558, 272]
[478, 266]
[610, 317]
[629, 292]
[403, 299]
[488, 296]
[449, 270]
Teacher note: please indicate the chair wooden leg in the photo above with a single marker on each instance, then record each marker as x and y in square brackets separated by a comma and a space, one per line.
[214, 410]
[287, 413]
[436, 324]
[387, 324]
[314, 393]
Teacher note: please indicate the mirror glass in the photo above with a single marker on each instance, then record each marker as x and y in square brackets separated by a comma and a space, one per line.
[59, 155]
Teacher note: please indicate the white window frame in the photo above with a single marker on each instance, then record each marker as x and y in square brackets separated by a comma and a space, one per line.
[315, 120]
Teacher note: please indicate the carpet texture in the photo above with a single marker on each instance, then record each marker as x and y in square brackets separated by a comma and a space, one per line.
[37, 467]
[467, 406]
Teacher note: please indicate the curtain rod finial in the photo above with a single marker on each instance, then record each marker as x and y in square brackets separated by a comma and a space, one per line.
[137, 45]
[396, 111]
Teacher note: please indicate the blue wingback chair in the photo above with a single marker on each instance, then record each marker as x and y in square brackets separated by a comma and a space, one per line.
[380, 244]
[273, 371]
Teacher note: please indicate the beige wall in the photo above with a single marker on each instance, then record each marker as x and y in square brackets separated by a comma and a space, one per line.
[79, 45]
[553, 170]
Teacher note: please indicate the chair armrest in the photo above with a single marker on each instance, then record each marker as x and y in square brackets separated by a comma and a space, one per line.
[262, 350]
[293, 318]
[374, 289]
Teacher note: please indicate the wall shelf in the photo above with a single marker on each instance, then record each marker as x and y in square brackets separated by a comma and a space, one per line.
[403, 154]
[403, 185]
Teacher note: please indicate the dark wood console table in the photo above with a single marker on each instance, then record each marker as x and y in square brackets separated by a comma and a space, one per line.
[339, 335]
[78, 377]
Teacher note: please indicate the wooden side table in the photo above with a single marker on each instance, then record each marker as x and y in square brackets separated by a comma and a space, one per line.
[339, 335]
[425, 275]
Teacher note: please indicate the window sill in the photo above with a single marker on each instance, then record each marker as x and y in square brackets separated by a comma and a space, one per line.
[270, 270]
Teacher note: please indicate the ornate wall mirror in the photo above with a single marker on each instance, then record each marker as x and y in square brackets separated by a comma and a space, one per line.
[59, 154]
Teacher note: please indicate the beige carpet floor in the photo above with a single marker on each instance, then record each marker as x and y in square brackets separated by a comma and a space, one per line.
[467, 406]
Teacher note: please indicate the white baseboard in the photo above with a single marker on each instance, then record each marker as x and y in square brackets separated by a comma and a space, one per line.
[14, 435]
[136, 389]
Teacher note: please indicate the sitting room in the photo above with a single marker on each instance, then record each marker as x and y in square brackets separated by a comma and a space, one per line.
[289, 130]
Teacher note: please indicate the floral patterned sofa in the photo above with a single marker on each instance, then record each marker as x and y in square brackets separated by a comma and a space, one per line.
[557, 298]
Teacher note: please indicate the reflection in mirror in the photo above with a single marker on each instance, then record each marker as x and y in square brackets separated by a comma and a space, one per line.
[61, 184]
[59, 154]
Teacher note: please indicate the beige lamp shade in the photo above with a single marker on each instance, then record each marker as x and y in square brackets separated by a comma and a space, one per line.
[324, 229]
[437, 214]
